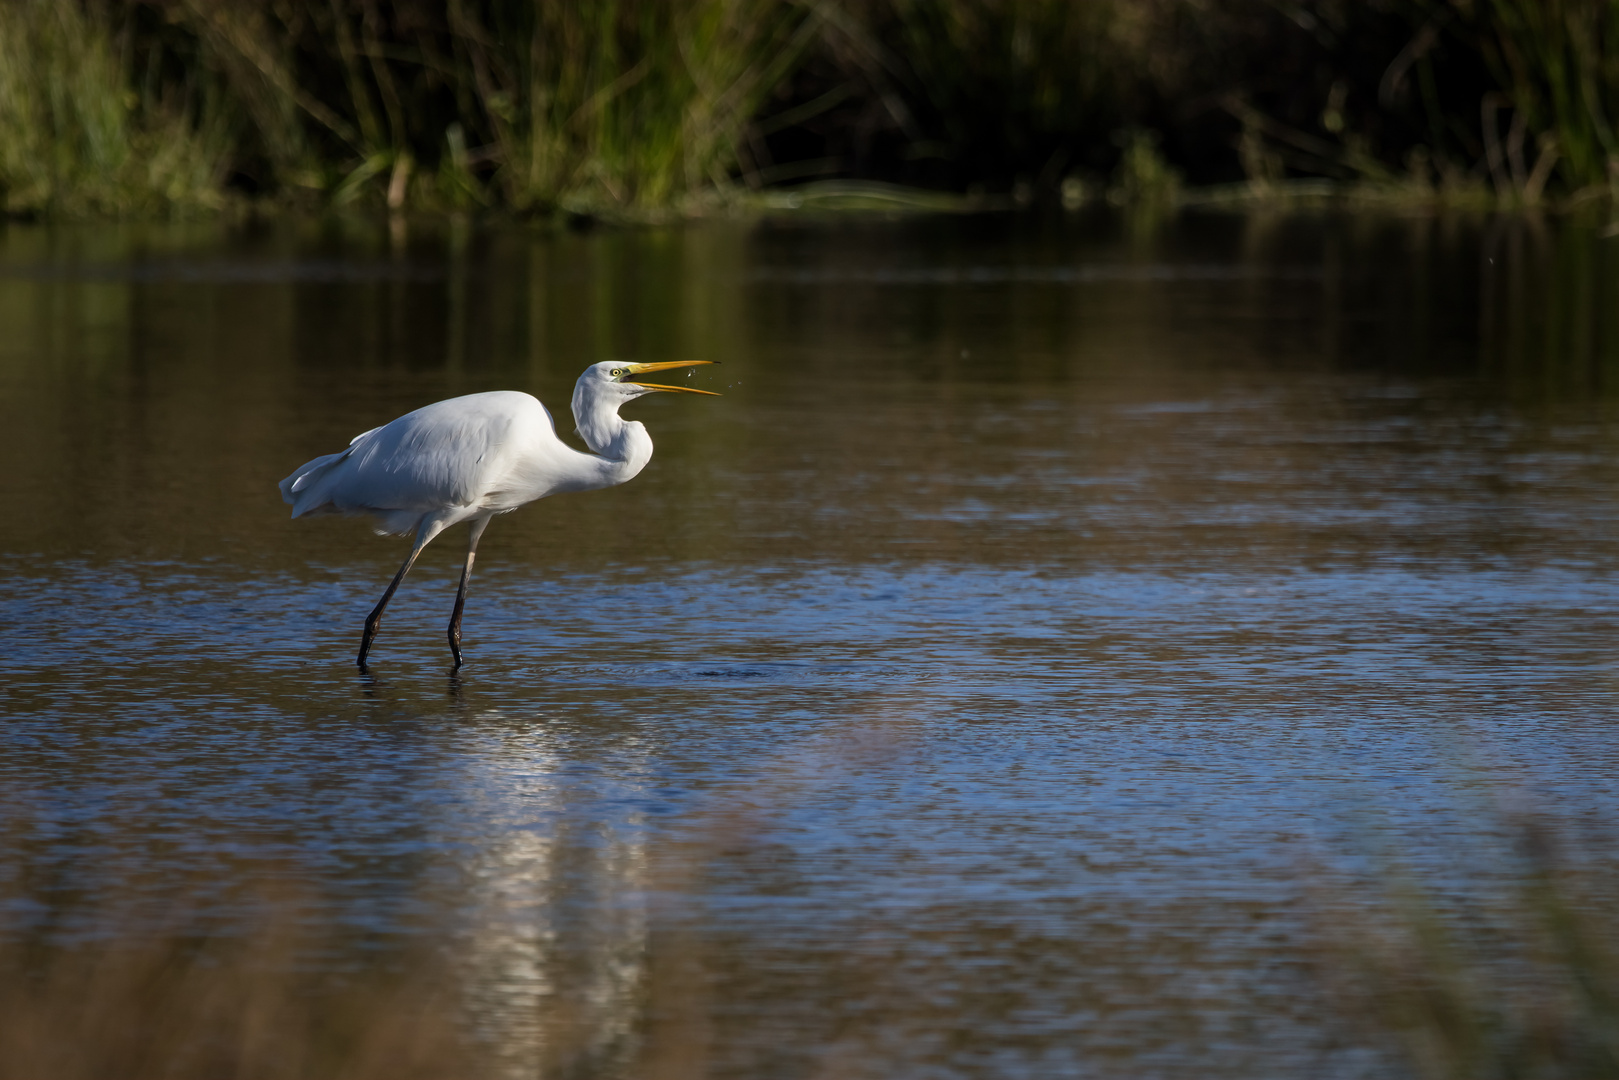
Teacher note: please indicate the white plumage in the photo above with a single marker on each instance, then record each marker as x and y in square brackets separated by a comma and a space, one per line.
[470, 458]
[483, 453]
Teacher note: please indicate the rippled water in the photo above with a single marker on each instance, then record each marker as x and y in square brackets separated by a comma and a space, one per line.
[965, 693]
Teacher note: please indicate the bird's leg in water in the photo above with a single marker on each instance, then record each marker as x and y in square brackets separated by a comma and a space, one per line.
[461, 593]
[373, 620]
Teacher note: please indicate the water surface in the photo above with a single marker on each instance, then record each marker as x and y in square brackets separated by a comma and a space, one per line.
[967, 692]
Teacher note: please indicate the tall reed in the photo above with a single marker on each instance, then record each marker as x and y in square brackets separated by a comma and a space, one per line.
[616, 102]
[595, 104]
[1027, 84]
[75, 136]
[642, 106]
[1556, 63]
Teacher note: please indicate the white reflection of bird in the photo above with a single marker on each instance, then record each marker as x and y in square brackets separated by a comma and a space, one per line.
[470, 458]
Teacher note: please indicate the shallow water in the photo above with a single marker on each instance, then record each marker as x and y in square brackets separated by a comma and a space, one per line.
[965, 693]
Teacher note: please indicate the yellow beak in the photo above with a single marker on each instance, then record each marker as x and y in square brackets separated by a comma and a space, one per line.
[637, 370]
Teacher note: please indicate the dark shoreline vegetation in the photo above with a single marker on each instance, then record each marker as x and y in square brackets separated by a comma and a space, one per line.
[652, 108]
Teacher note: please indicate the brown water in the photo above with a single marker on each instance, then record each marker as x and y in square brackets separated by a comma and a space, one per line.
[965, 693]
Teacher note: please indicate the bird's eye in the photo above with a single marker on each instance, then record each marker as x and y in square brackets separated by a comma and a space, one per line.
[616, 372]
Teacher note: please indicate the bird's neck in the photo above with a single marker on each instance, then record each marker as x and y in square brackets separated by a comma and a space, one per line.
[623, 445]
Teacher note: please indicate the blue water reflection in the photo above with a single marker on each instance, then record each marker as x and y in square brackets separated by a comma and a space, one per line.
[969, 691]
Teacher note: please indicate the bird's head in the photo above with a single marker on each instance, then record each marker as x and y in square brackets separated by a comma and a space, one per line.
[605, 388]
[615, 380]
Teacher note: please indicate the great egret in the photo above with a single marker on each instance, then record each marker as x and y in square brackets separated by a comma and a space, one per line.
[470, 458]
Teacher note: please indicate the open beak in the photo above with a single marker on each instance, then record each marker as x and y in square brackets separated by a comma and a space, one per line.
[637, 370]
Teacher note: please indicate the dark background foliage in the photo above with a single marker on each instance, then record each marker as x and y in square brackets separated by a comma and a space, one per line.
[644, 103]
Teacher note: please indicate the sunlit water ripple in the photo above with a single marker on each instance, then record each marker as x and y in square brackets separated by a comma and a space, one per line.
[980, 688]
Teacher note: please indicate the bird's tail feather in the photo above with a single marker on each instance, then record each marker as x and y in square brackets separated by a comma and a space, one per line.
[315, 488]
[303, 489]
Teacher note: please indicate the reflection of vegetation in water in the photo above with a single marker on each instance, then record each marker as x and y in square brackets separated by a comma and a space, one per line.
[1546, 329]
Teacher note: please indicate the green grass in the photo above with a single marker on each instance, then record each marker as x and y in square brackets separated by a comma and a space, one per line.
[645, 108]
[76, 139]
[623, 104]
[1557, 66]
[601, 106]
[598, 105]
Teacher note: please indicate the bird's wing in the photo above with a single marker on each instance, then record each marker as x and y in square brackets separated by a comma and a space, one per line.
[436, 457]
[443, 456]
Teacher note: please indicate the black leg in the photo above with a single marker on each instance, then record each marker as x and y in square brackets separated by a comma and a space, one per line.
[461, 593]
[373, 620]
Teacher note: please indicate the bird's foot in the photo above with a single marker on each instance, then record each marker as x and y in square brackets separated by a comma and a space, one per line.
[454, 636]
[366, 639]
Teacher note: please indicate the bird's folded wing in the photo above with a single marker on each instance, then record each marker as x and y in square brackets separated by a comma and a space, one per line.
[424, 461]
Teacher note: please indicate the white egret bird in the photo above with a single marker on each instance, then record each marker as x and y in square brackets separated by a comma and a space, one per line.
[470, 458]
